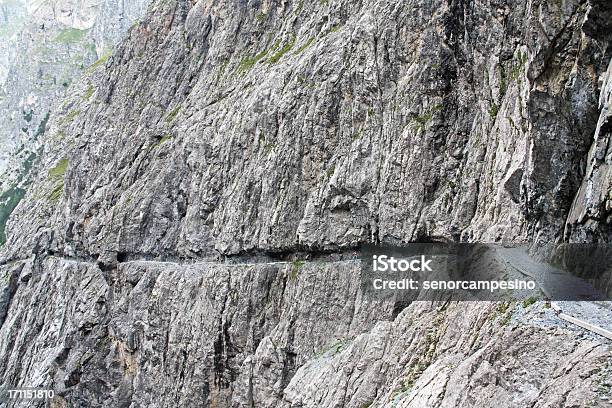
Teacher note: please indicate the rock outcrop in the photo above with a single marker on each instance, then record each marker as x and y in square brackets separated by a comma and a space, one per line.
[220, 138]
[44, 46]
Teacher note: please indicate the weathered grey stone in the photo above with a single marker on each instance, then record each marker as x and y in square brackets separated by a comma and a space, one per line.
[590, 219]
[249, 132]
[44, 47]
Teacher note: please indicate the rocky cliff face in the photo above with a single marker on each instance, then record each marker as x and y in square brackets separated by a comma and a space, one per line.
[590, 216]
[44, 47]
[259, 131]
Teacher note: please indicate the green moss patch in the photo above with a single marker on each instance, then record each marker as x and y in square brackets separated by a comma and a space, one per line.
[280, 53]
[70, 116]
[56, 176]
[422, 121]
[332, 29]
[305, 46]
[249, 62]
[172, 114]
[88, 92]
[529, 301]
[268, 147]
[493, 110]
[163, 140]
[70, 35]
[60, 169]
[518, 65]
[295, 269]
[99, 62]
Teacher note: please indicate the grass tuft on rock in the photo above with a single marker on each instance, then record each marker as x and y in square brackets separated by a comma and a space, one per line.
[295, 268]
[280, 53]
[529, 301]
[249, 62]
[99, 62]
[69, 116]
[172, 114]
[56, 176]
[163, 140]
[305, 46]
[70, 36]
[88, 92]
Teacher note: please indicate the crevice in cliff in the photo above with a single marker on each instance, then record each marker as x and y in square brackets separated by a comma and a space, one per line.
[224, 351]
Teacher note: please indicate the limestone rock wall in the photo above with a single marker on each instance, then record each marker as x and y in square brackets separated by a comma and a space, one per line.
[44, 47]
[250, 132]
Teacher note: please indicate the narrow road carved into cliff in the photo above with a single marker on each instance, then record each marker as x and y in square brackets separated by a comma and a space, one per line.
[595, 316]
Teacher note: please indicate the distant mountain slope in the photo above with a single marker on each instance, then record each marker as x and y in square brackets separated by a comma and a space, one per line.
[44, 46]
